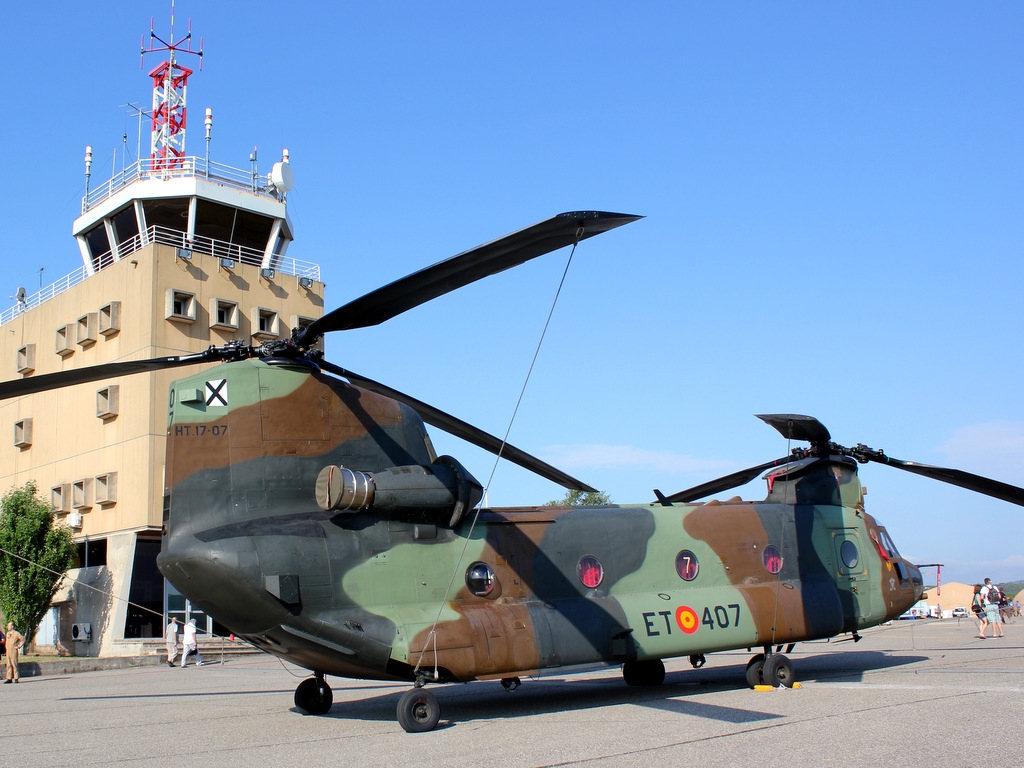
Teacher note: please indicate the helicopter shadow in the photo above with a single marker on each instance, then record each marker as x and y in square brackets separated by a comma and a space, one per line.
[461, 704]
[850, 666]
[837, 666]
[680, 693]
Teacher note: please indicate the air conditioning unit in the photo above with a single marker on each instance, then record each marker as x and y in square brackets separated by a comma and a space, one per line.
[81, 632]
[74, 520]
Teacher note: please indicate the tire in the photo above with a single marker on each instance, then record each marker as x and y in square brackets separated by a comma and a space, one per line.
[313, 697]
[418, 711]
[778, 670]
[755, 669]
[644, 673]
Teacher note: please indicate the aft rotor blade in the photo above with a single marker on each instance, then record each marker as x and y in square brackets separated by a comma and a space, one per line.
[463, 269]
[467, 432]
[728, 481]
[32, 384]
[958, 477]
[794, 426]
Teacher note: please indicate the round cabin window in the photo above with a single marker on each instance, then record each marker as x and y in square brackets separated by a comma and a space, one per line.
[590, 571]
[687, 566]
[480, 579]
[848, 552]
[772, 559]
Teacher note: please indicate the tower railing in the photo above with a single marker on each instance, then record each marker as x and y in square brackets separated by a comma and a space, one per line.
[174, 238]
[163, 169]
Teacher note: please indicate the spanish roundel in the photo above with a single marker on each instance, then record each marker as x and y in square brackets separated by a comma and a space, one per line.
[687, 620]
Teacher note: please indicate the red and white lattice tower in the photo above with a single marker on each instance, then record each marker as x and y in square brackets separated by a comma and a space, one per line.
[170, 82]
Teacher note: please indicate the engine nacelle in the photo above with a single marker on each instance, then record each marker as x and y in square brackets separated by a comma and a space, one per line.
[442, 492]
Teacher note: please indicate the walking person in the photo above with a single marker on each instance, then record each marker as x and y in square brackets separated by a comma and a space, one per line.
[190, 644]
[978, 608]
[991, 596]
[171, 636]
[15, 641]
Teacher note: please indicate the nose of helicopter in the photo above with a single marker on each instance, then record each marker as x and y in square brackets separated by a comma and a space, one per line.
[222, 581]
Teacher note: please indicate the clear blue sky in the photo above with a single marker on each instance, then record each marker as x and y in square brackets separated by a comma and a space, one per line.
[833, 196]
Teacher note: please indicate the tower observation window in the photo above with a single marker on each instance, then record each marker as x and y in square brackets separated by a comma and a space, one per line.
[170, 213]
[126, 226]
[99, 246]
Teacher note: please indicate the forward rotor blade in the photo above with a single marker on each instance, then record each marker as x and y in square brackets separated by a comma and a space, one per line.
[728, 481]
[463, 269]
[33, 384]
[467, 432]
[958, 477]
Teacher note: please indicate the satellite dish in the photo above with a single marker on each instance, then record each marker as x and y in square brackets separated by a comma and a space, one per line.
[20, 295]
[282, 177]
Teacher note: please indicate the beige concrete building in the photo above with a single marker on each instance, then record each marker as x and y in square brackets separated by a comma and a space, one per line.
[177, 255]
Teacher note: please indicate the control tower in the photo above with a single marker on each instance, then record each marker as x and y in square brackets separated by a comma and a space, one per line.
[177, 253]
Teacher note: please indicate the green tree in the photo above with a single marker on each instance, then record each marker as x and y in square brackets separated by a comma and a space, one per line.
[582, 499]
[34, 554]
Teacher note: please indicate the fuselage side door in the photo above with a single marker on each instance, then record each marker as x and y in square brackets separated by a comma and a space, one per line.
[852, 578]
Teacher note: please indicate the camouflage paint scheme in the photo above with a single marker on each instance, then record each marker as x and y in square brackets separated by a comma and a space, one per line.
[356, 594]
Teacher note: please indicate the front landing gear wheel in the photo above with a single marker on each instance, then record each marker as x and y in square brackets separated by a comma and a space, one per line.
[778, 670]
[650, 672]
[755, 669]
[418, 711]
[314, 696]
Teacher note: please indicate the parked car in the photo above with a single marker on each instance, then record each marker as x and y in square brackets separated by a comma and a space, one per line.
[960, 613]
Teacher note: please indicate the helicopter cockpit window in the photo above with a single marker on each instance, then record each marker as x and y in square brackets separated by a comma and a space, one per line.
[480, 579]
[849, 554]
[687, 566]
[590, 571]
[772, 559]
[887, 544]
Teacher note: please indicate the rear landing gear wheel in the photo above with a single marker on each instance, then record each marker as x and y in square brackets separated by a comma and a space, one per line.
[754, 671]
[418, 711]
[314, 696]
[649, 673]
[778, 670]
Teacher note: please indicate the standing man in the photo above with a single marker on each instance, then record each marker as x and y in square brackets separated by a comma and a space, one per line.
[189, 644]
[15, 640]
[991, 596]
[171, 636]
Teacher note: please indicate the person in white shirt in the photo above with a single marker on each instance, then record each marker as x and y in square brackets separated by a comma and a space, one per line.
[189, 644]
[990, 596]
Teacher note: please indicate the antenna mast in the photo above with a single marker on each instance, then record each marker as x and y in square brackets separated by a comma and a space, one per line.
[170, 81]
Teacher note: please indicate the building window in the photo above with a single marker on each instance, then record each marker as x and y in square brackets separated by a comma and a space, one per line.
[65, 340]
[265, 323]
[60, 497]
[81, 493]
[180, 306]
[27, 358]
[23, 433]
[108, 402]
[110, 319]
[89, 554]
[224, 315]
[106, 488]
[85, 330]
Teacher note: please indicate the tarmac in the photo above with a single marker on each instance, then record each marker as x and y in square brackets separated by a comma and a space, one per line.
[913, 693]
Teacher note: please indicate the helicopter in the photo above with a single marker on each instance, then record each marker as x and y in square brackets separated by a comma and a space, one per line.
[306, 510]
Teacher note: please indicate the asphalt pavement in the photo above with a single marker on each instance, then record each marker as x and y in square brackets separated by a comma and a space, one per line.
[914, 693]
